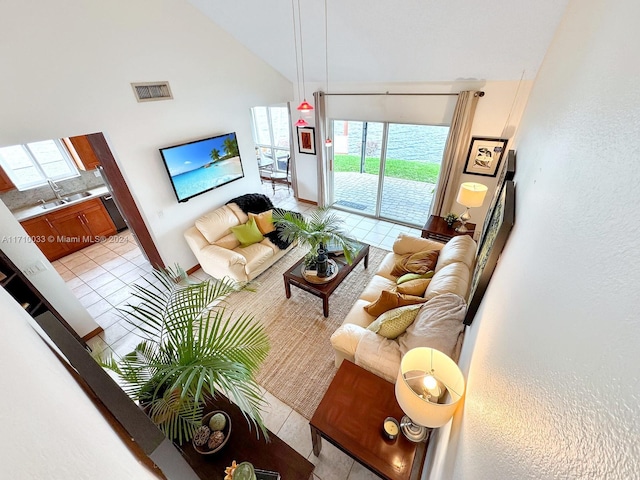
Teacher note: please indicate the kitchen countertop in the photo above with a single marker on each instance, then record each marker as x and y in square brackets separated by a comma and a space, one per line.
[27, 213]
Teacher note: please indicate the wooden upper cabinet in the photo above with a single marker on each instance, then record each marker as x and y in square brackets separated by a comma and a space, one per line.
[82, 152]
[5, 182]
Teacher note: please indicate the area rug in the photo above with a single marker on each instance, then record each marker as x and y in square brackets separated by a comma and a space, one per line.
[300, 365]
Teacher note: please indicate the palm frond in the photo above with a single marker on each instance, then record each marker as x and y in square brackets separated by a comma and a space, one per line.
[192, 349]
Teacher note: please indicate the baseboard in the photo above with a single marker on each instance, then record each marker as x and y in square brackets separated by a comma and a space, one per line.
[93, 333]
[310, 202]
[193, 269]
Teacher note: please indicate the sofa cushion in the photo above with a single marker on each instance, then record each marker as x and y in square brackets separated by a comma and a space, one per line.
[414, 287]
[248, 233]
[419, 262]
[256, 255]
[453, 278]
[437, 325]
[242, 217]
[407, 277]
[264, 221]
[387, 264]
[406, 243]
[459, 249]
[378, 355]
[228, 241]
[217, 223]
[394, 322]
[377, 284]
[388, 300]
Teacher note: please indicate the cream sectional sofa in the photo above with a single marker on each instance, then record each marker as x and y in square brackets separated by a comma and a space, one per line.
[443, 313]
[219, 252]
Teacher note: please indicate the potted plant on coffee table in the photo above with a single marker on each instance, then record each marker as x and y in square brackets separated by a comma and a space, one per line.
[191, 349]
[321, 227]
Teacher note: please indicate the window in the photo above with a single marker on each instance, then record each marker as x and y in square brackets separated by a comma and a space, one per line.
[271, 136]
[31, 165]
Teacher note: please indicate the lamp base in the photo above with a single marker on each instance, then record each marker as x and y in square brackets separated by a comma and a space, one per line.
[414, 432]
[464, 218]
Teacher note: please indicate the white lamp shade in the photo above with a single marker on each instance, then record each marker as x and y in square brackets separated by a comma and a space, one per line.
[423, 361]
[471, 194]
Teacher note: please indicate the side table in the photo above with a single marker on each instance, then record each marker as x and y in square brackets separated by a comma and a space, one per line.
[437, 229]
[350, 416]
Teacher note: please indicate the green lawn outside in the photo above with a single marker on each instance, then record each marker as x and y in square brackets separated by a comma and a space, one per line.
[409, 170]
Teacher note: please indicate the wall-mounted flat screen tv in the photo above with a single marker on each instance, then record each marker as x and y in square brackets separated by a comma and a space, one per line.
[197, 167]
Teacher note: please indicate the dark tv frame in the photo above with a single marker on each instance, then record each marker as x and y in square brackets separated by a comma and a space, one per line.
[164, 161]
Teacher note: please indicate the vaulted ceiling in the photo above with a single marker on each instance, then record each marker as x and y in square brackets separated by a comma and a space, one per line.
[388, 41]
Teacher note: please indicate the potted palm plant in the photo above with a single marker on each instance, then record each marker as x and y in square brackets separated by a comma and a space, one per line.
[191, 349]
[317, 231]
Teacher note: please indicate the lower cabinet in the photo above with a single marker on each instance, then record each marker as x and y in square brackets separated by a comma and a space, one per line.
[64, 231]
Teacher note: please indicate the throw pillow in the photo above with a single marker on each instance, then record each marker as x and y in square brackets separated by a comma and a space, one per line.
[419, 262]
[414, 287]
[413, 276]
[247, 234]
[394, 322]
[388, 300]
[264, 221]
[437, 325]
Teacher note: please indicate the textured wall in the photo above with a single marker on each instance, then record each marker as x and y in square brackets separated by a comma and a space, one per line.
[552, 358]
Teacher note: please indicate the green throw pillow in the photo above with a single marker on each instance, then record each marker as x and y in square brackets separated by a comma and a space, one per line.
[393, 323]
[247, 234]
[413, 276]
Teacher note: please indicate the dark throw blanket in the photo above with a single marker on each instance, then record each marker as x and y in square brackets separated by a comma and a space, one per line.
[258, 203]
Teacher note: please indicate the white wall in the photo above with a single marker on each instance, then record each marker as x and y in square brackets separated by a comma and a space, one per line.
[23, 254]
[552, 356]
[67, 68]
[50, 428]
[497, 115]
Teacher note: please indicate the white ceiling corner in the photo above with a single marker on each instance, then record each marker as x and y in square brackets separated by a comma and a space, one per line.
[385, 41]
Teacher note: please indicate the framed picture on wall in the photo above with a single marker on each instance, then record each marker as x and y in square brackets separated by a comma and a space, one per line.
[485, 155]
[306, 140]
[507, 173]
[501, 220]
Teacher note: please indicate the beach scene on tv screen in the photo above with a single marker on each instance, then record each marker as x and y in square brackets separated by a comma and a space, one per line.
[200, 166]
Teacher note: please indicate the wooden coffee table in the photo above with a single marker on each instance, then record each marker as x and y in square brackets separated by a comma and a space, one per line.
[350, 416]
[243, 445]
[293, 276]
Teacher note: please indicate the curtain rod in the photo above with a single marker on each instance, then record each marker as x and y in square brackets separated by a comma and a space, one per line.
[480, 94]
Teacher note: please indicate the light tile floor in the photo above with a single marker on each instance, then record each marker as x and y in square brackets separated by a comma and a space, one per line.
[101, 276]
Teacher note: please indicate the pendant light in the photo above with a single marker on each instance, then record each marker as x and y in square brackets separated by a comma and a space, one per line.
[301, 121]
[304, 106]
[327, 143]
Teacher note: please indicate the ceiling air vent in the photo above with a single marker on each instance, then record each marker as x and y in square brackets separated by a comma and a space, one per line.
[151, 91]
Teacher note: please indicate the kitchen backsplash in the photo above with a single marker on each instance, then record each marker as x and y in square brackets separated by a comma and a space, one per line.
[15, 199]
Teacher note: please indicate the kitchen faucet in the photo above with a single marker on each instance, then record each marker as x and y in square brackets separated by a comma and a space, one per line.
[56, 189]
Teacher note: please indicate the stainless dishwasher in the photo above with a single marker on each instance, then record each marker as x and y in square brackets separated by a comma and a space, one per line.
[114, 213]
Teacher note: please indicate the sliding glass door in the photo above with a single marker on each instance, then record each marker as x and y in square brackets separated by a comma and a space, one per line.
[387, 170]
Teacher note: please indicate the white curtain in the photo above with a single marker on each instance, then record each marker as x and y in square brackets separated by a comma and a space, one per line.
[455, 152]
[321, 135]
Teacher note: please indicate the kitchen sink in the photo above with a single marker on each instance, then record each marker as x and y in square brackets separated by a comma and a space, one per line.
[53, 203]
[76, 196]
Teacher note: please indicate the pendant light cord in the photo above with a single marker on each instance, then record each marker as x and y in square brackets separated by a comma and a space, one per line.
[326, 45]
[295, 41]
[304, 93]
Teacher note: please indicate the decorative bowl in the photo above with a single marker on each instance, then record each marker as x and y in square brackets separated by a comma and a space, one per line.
[311, 276]
[205, 450]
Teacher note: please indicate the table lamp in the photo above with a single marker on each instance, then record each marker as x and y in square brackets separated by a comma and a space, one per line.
[428, 389]
[470, 195]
